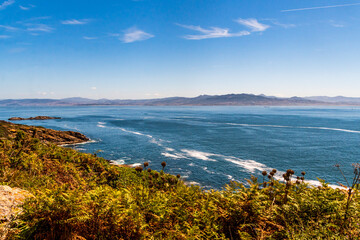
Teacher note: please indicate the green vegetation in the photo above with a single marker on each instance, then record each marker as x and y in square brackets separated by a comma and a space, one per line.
[81, 196]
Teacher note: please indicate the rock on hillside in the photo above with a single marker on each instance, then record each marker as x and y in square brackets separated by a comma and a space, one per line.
[10, 206]
[8, 130]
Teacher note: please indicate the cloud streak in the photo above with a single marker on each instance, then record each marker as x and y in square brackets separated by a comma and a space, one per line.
[253, 24]
[134, 35]
[320, 7]
[26, 8]
[39, 28]
[217, 32]
[75, 22]
[8, 28]
[4, 36]
[212, 32]
[89, 38]
[7, 3]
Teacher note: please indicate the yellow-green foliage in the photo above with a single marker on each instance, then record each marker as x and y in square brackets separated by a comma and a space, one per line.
[81, 196]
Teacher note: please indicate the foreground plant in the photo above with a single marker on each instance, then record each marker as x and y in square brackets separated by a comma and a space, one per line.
[80, 196]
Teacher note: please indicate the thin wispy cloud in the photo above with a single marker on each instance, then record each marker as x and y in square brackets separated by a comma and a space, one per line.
[39, 28]
[320, 7]
[89, 38]
[277, 23]
[253, 24]
[212, 32]
[135, 35]
[4, 36]
[75, 22]
[27, 7]
[336, 24]
[6, 3]
[8, 28]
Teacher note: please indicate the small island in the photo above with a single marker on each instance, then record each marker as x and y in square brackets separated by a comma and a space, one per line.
[33, 118]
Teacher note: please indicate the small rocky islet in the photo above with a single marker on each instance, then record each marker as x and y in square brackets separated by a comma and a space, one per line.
[33, 118]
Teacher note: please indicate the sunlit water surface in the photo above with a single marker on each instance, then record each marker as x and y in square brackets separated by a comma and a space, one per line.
[210, 146]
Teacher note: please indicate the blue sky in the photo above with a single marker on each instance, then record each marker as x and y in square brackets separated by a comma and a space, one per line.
[122, 49]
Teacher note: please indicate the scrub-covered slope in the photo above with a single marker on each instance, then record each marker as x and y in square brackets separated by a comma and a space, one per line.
[80, 196]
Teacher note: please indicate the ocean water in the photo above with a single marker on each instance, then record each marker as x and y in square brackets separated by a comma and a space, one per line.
[210, 146]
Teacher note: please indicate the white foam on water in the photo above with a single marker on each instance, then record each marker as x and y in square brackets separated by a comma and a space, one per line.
[194, 117]
[136, 133]
[249, 165]
[152, 139]
[173, 155]
[208, 171]
[156, 141]
[169, 149]
[333, 129]
[231, 178]
[101, 125]
[72, 127]
[199, 155]
[193, 183]
[301, 127]
[75, 144]
[117, 162]
[258, 125]
[317, 184]
[135, 165]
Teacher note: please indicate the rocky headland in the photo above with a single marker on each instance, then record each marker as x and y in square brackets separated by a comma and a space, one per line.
[9, 130]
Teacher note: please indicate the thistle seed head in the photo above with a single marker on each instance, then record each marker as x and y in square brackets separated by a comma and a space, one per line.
[138, 168]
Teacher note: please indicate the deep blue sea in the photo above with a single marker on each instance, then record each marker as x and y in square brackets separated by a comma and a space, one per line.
[210, 146]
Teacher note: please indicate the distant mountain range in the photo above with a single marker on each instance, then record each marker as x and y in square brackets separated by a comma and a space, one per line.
[202, 100]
